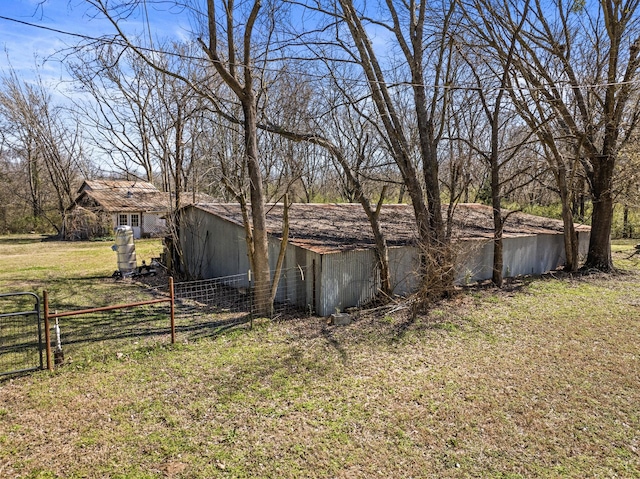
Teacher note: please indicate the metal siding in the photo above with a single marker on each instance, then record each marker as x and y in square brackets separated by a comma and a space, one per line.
[520, 256]
[292, 284]
[583, 243]
[550, 253]
[348, 279]
[213, 247]
[537, 254]
[297, 285]
[403, 263]
[474, 260]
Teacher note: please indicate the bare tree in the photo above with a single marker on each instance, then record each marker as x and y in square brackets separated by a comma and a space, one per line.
[420, 79]
[118, 114]
[627, 186]
[48, 143]
[229, 41]
[580, 60]
[491, 74]
[409, 29]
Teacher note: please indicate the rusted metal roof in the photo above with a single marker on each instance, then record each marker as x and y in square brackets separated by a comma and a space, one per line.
[133, 185]
[113, 196]
[325, 228]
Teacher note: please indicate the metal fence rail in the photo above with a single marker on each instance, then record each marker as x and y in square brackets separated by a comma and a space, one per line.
[191, 310]
[21, 345]
[97, 324]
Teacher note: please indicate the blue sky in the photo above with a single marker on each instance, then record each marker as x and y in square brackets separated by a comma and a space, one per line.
[24, 46]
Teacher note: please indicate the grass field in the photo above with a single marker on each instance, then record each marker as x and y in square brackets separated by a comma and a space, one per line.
[537, 380]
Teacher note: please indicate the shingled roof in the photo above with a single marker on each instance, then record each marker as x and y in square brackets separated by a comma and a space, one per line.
[129, 196]
[337, 227]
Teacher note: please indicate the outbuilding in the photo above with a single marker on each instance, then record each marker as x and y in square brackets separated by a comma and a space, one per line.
[332, 247]
[103, 205]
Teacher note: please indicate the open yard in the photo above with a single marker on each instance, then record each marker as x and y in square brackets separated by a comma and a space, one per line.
[541, 379]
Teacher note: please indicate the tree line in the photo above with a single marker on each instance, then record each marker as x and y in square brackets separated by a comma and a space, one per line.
[431, 103]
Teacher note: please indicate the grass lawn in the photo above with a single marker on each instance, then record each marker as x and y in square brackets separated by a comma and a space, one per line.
[540, 379]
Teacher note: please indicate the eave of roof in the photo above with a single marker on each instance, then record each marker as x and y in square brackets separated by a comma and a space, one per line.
[327, 228]
[115, 196]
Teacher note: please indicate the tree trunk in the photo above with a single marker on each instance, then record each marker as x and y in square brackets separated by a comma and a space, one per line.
[177, 173]
[570, 237]
[599, 256]
[382, 250]
[262, 272]
[498, 224]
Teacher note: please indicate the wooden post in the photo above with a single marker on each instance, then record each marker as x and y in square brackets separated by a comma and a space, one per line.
[47, 332]
[173, 316]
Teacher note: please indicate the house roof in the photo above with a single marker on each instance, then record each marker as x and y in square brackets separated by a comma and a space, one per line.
[336, 227]
[131, 196]
[114, 185]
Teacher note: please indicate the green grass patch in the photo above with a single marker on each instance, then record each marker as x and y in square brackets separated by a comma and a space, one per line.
[539, 380]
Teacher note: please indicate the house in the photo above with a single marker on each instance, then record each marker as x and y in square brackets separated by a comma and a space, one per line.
[332, 247]
[103, 205]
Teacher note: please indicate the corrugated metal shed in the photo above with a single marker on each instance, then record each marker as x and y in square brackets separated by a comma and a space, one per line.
[334, 245]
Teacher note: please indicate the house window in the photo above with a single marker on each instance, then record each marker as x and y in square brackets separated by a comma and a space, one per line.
[135, 220]
[122, 220]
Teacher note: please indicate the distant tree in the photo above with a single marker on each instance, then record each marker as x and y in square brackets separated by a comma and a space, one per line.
[146, 122]
[627, 188]
[235, 39]
[46, 142]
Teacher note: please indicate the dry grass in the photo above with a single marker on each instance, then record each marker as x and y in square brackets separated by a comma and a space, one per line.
[538, 380]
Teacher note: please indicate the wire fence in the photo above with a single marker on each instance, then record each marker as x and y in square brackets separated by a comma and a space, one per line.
[237, 294]
[204, 308]
[20, 333]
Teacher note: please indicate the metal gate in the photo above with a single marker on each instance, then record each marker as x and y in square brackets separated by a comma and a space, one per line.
[21, 345]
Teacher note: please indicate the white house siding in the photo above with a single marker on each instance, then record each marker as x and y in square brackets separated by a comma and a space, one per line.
[149, 224]
[153, 224]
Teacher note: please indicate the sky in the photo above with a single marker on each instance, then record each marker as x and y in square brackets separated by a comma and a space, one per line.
[30, 44]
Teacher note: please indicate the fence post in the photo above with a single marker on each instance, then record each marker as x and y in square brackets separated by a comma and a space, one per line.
[47, 332]
[251, 293]
[173, 316]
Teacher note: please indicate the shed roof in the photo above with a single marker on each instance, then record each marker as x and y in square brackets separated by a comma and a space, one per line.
[334, 227]
[131, 196]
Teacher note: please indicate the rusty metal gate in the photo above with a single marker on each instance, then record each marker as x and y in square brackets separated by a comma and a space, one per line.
[21, 344]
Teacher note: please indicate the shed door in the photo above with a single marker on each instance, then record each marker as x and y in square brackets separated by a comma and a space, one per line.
[135, 225]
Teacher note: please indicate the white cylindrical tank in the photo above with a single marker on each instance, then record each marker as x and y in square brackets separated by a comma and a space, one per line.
[126, 249]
